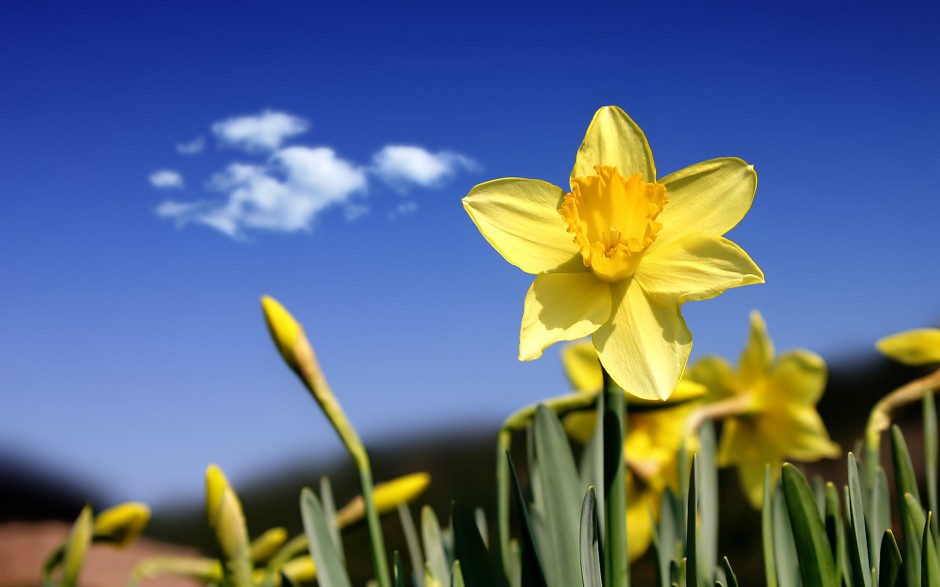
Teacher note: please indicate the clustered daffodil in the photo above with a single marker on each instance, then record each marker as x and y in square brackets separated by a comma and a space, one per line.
[617, 254]
[651, 447]
[768, 408]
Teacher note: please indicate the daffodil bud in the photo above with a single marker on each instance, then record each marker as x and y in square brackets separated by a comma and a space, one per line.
[301, 569]
[285, 330]
[913, 347]
[224, 511]
[263, 547]
[76, 547]
[388, 496]
[121, 524]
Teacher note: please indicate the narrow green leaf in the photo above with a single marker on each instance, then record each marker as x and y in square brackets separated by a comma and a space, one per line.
[905, 479]
[691, 538]
[615, 489]
[330, 571]
[929, 564]
[531, 572]
[707, 502]
[668, 538]
[819, 492]
[930, 455]
[879, 519]
[470, 551]
[730, 577]
[858, 534]
[561, 488]
[767, 531]
[788, 565]
[514, 572]
[817, 568]
[835, 531]
[456, 575]
[590, 549]
[905, 483]
[411, 540]
[329, 511]
[434, 546]
[890, 561]
[592, 460]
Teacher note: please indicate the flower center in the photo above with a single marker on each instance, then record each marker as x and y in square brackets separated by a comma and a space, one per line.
[613, 220]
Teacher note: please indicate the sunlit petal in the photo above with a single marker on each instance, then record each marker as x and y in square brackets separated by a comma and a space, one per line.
[614, 140]
[799, 377]
[709, 197]
[520, 218]
[562, 306]
[697, 267]
[645, 345]
[716, 375]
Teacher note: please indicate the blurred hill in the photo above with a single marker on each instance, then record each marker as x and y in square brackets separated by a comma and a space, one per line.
[462, 465]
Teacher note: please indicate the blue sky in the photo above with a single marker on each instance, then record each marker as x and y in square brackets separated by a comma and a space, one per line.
[133, 347]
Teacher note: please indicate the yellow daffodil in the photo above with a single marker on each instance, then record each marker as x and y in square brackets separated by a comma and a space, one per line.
[617, 255]
[650, 448]
[768, 407]
[913, 347]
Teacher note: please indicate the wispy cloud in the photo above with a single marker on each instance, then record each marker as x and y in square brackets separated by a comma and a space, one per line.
[401, 165]
[282, 195]
[287, 187]
[261, 132]
[166, 179]
[193, 147]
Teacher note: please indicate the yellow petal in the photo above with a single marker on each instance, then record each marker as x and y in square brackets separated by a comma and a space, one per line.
[301, 569]
[716, 375]
[697, 267]
[709, 197]
[799, 378]
[265, 546]
[802, 435]
[614, 140]
[520, 218]
[580, 425]
[743, 447]
[913, 347]
[645, 345]
[582, 366]
[562, 306]
[757, 357]
[122, 524]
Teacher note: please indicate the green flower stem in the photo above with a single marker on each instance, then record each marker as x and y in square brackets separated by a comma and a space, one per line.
[312, 376]
[888, 407]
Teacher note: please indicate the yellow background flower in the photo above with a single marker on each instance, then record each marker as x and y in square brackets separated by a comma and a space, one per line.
[617, 255]
[774, 407]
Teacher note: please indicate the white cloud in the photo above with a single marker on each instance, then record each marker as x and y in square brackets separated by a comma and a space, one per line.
[283, 195]
[262, 132]
[166, 179]
[193, 147]
[399, 165]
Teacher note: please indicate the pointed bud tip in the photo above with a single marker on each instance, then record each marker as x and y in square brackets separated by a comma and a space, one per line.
[283, 327]
[216, 485]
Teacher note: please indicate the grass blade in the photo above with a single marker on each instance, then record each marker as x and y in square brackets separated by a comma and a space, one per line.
[930, 566]
[889, 573]
[691, 551]
[531, 572]
[434, 546]
[858, 534]
[707, 502]
[330, 571]
[767, 531]
[817, 569]
[470, 550]
[590, 550]
[615, 489]
[730, 577]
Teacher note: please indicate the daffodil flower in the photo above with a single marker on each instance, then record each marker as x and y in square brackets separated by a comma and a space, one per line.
[768, 408]
[617, 254]
[651, 447]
